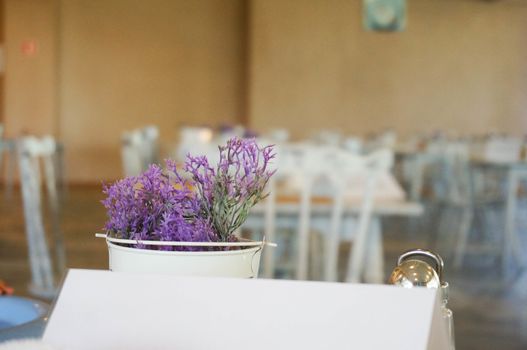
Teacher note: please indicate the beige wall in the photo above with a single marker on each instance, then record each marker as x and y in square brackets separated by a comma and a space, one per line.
[30, 81]
[104, 66]
[128, 63]
[459, 65]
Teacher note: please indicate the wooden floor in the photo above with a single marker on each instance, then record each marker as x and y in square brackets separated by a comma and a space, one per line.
[490, 309]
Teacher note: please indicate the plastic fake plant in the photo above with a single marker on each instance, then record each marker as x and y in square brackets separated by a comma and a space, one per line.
[201, 203]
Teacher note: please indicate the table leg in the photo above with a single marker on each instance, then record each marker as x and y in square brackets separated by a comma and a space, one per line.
[269, 233]
[511, 244]
[357, 256]
[303, 234]
[416, 184]
[464, 231]
[374, 267]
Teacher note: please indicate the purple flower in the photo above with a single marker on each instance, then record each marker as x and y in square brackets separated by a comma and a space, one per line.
[166, 205]
[237, 184]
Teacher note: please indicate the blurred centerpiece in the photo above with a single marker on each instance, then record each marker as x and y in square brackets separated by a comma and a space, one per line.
[184, 221]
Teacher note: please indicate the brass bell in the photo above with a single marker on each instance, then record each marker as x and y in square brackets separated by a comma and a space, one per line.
[414, 270]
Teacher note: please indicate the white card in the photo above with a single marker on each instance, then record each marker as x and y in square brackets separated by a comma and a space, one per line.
[109, 310]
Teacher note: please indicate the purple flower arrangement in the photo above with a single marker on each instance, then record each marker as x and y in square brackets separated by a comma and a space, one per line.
[199, 203]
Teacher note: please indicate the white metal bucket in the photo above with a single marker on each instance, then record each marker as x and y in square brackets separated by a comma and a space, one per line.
[242, 263]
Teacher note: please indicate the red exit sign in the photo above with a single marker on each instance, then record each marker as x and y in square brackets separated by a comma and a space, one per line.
[29, 47]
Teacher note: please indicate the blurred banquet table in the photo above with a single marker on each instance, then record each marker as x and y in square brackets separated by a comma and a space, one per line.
[416, 160]
[514, 172]
[321, 206]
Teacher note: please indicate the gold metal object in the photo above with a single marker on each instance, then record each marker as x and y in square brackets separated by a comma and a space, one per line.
[412, 271]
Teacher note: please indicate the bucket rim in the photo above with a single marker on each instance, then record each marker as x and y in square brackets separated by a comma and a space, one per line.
[243, 242]
[240, 251]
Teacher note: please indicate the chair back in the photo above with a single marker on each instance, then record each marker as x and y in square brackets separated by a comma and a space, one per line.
[37, 162]
[372, 167]
[278, 135]
[457, 172]
[502, 149]
[139, 149]
[197, 141]
[353, 144]
[385, 139]
[316, 171]
[447, 170]
[327, 138]
[150, 149]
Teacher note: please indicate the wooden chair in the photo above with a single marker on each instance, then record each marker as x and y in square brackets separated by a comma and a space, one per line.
[344, 167]
[314, 171]
[288, 163]
[32, 153]
[454, 194]
[490, 189]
